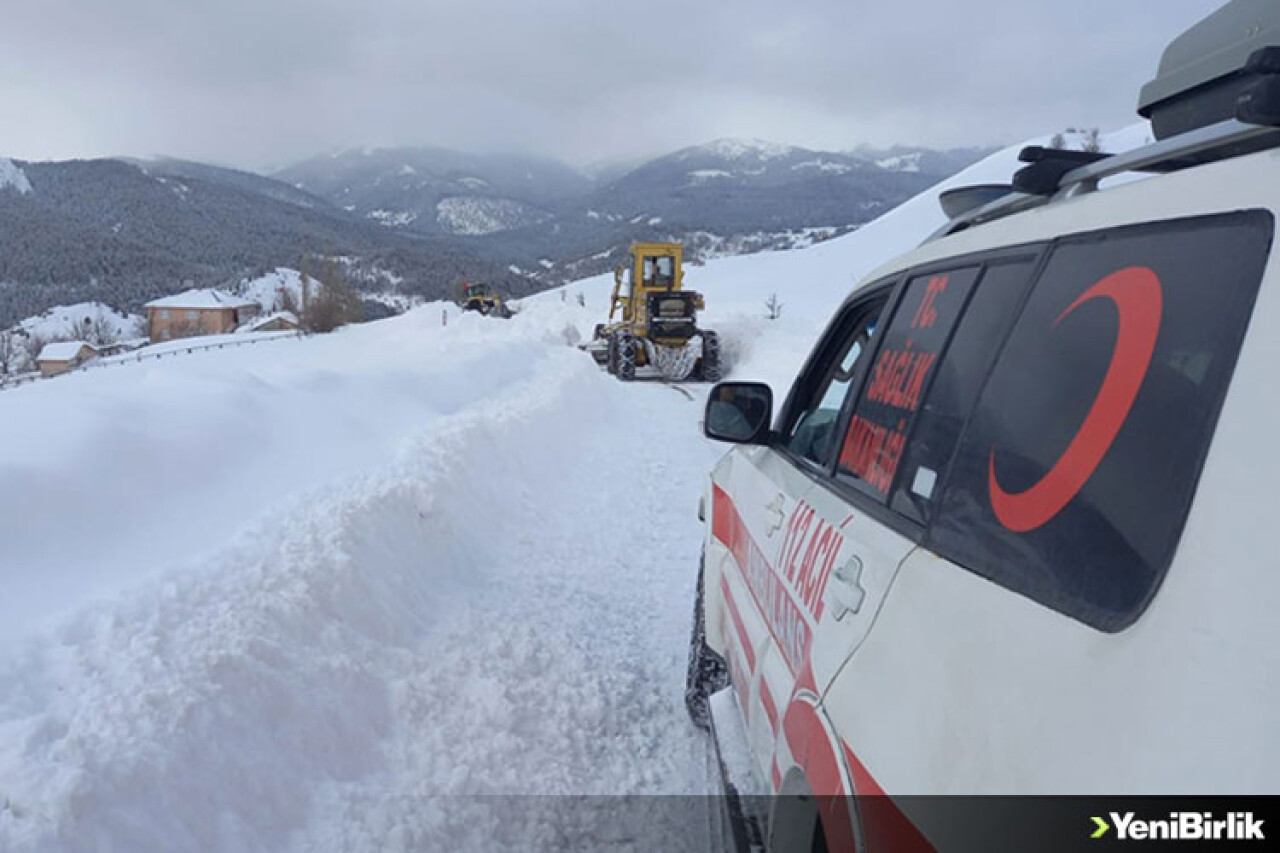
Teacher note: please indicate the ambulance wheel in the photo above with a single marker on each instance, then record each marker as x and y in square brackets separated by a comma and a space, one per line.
[707, 672]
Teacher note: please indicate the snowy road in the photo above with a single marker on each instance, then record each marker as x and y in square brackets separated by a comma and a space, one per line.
[559, 665]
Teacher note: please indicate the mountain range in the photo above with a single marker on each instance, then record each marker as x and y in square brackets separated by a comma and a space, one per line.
[419, 220]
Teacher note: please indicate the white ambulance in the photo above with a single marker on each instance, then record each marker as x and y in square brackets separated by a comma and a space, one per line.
[1009, 531]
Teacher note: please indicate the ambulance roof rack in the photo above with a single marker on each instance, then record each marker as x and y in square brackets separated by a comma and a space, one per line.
[1216, 95]
[1050, 177]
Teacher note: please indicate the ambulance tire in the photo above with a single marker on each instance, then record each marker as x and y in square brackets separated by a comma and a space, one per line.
[707, 672]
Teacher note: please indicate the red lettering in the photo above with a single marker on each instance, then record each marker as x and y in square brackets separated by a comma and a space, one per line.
[899, 376]
[794, 526]
[810, 556]
[901, 365]
[790, 566]
[872, 453]
[876, 390]
[926, 315]
[911, 397]
[810, 582]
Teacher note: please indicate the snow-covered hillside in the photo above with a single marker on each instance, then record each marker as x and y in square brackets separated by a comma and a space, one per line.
[738, 149]
[275, 290]
[478, 215]
[71, 320]
[332, 593]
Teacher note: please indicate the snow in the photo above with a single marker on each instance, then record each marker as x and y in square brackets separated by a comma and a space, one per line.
[13, 177]
[824, 166]
[255, 325]
[475, 216]
[69, 320]
[336, 592]
[306, 533]
[703, 175]
[398, 302]
[736, 149]
[179, 189]
[901, 162]
[269, 290]
[391, 218]
[197, 342]
[198, 299]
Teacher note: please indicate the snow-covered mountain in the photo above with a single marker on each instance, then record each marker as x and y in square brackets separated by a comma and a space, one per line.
[755, 150]
[724, 197]
[434, 190]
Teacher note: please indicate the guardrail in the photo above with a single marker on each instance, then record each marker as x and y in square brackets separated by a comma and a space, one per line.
[115, 360]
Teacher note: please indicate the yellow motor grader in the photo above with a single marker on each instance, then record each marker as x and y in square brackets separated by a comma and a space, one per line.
[656, 323]
[482, 298]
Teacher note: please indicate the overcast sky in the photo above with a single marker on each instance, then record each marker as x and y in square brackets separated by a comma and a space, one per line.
[262, 83]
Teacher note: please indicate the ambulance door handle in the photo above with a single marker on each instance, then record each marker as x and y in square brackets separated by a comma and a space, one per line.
[847, 591]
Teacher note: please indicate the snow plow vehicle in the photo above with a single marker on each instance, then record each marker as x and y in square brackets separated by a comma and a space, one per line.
[657, 321]
[482, 298]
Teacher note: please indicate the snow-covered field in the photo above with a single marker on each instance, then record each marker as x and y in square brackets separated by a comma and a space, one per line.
[334, 593]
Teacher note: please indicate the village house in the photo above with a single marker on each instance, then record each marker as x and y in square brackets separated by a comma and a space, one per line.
[197, 312]
[281, 321]
[63, 356]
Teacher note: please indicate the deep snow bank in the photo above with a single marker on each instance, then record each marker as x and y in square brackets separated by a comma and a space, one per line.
[118, 474]
[204, 710]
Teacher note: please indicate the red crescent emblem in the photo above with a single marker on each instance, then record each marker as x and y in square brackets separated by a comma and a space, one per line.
[1139, 301]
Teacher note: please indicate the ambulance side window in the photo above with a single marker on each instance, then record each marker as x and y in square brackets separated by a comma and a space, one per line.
[1078, 467]
[811, 429]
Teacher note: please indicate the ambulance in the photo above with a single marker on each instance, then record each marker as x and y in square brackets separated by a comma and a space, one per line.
[1008, 533]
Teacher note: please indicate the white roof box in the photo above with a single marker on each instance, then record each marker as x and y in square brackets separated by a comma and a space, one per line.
[1204, 71]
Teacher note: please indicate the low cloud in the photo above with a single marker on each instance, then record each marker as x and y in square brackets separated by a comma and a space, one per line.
[262, 84]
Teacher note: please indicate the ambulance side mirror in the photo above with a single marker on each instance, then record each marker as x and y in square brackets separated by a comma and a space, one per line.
[739, 412]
